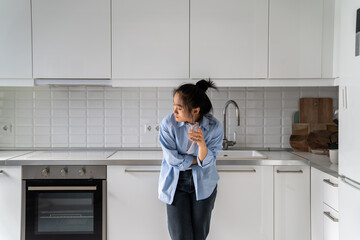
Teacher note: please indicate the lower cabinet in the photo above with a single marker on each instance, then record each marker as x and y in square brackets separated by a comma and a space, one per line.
[10, 202]
[134, 211]
[292, 202]
[244, 204]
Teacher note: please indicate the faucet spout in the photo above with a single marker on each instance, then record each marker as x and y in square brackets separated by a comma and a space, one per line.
[227, 143]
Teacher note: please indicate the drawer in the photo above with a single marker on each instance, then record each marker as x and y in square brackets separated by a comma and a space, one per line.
[331, 223]
[331, 191]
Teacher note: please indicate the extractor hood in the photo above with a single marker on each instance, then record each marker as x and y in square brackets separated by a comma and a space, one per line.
[74, 81]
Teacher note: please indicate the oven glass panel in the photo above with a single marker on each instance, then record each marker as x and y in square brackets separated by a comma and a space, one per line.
[65, 212]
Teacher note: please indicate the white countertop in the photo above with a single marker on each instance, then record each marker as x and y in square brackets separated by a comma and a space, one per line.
[4, 155]
[65, 155]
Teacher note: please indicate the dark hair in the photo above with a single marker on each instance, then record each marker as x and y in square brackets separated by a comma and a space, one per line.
[194, 95]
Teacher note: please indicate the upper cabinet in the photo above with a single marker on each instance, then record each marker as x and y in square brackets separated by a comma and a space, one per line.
[295, 38]
[150, 39]
[15, 39]
[71, 38]
[228, 38]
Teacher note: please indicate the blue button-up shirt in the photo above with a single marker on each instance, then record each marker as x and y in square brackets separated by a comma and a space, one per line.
[174, 142]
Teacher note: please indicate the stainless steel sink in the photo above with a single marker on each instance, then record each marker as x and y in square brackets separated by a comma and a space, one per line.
[240, 155]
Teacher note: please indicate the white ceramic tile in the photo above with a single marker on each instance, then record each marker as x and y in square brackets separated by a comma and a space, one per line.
[26, 94]
[112, 121]
[254, 130]
[95, 113]
[59, 130]
[131, 113]
[42, 121]
[60, 140]
[148, 113]
[24, 103]
[24, 121]
[309, 92]
[254, 95]
[254, 112]
[113, 94]
[95, 103]
[130, 141]
[23, 130]
[95, 121]
[95, 130]
[77, 112]
[254, 122]
[59, 121]
[222, 94]
[272, 112]
[60, 95]
[166, 104]
[286, 130]
[130, 130]
[144, 104]
[111, 103]
[149, 94]
[130, 94]
[112, 130]
[272, 131]
[60, 103]
[77, 95]
[130, 104]
[77, 104]
[24, 113]
[95, 95]
[43, 140]
[130, 122]
[77, 130]
[7, 104]
[24, 141]
[42, 130]
[254, 141]
[237, 94]
[77, 88]
[290, 103]
[291, 93]
[273, 104]
[42, 104]
[7, 94]
[113, 112]
[112, 140]
[58, 112]
[254, 104]
[165, 93]
[272, 122]
[77, 121]
[77, 139]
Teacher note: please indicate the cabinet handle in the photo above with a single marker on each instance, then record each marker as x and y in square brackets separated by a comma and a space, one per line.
[238, 170]
[289, 171]
[1, 171]
[334, 219]
[142, 171]
[330, 183]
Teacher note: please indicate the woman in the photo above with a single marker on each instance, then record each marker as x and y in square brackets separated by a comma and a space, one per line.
[191, 138]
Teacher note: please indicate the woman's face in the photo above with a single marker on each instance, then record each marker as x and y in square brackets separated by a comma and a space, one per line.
[181, 112]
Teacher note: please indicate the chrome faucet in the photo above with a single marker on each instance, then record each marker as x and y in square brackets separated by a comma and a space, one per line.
[227, 143]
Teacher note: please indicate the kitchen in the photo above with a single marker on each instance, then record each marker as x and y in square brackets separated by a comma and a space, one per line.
[135, 53]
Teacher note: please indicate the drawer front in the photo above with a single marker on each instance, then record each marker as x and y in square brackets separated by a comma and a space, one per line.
[331, 223]
[331, 191]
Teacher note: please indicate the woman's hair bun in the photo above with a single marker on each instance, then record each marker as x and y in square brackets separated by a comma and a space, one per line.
[205, 84]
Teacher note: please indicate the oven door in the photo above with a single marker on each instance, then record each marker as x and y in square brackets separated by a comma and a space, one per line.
[65, 209]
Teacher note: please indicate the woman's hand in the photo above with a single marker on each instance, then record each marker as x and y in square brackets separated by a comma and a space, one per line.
[198, 137]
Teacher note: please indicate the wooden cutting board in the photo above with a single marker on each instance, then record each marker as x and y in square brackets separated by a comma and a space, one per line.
[315, 110]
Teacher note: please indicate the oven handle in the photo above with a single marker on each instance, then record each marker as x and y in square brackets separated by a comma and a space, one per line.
[62, 188]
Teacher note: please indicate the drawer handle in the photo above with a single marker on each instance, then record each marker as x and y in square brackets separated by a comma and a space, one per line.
[142, 171]
[330, 183]
[238, 170]
[1, 171]
[334, 219]
[288, 171]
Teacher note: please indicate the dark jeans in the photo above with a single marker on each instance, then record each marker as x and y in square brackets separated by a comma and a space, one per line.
[189, 219]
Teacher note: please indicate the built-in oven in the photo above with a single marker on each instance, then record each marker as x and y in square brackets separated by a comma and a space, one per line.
[64, 202]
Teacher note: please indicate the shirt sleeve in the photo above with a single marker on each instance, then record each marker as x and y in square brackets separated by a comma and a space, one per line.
[214, 146]
[170, 152]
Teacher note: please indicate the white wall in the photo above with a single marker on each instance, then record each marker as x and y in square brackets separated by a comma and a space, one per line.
[115, 117]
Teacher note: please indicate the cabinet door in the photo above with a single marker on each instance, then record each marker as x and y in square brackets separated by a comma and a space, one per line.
[244, 204]
[292, 202]
[15, 39]
[10, 202]
[228, 38]
[150, 39]
[71, 38]
[317, 191]
[295, 38]
[134, 211]
[331, 223]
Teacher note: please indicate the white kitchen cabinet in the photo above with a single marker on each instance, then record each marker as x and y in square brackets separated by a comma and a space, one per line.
[15, 39]
[295, 38]
[150, 39]
[71, 38]
[228, 39]
[244, 204]
[331, 223]
[292, 202]
[10, 202]
[134, 211]
[317, 197]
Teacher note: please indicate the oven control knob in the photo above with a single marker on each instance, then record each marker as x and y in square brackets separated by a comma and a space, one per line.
[63, 172]
[82, 172]
[45, 172]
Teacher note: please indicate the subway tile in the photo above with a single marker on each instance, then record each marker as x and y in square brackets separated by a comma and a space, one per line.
[23, 140]
[113, 140]
[42, 104]
[95, 121]
[148, 113]
[77, 121]
[165, 93]
[60, 95]
[95, 95]
[95, 139]
[110, 130]
[254, 130]
[77, 112]
[95, 103]
[60, 103]
[254, 121]
[24, 103]
[149, 104]
[42, 121]
[59, 121]
[130, 94]
[272, 130]
[272, 112]
[60, 140]
[254, 112]
[254, 95]
[77, 130]
[95, 130]
[254, 104]
[115, 95]
[131, 113]
[113, 121]
[111, 103]
[273, 104]
[222, 94]
[23, 130]
[42, 130]
[130, 104]
[113, 112]
[58, 112]
[95, 113]
[272, 122]
[77, 95]
[77, 104]
[24, 121]
[149, 94]
[25, 95]
[59, 130]
[77, 139]
[24, 113]
[312, 92]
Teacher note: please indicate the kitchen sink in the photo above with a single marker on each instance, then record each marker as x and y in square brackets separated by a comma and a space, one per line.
[240, 155]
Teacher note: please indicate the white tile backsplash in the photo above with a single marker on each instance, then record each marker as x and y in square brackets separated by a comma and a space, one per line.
[115, 117]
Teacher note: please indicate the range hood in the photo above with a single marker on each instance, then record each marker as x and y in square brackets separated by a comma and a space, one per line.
[73, 81]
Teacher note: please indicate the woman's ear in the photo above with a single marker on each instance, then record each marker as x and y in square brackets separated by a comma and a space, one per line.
[196, 111]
